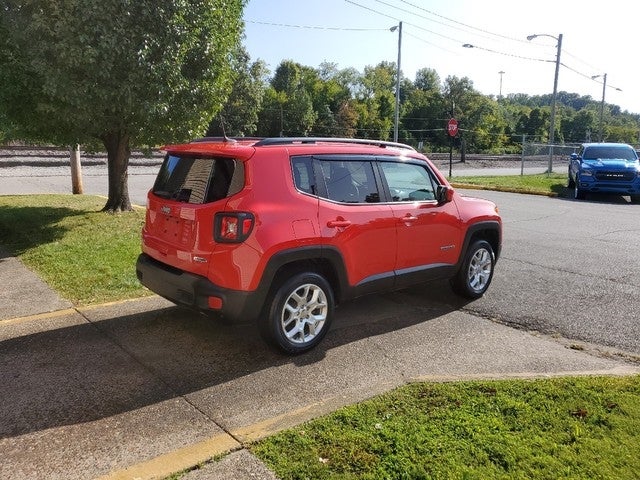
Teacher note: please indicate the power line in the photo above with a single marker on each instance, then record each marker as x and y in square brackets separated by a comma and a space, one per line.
[459, 23]
[487, 32]
[440, 35]
[317, 27]
[468, 45]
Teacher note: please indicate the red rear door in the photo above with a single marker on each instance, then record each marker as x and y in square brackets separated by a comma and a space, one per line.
[354, 221]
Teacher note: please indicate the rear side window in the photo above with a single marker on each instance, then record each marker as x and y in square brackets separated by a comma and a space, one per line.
[198, 180]
[350, 181]
[342, 180]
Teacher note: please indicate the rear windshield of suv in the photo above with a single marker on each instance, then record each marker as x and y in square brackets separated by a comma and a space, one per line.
[198, 180]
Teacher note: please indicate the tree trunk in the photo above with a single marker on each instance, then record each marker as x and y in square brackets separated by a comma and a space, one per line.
[118, 153]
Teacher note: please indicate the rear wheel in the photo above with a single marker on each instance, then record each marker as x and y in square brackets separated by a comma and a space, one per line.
[299, 313]
[476, 272]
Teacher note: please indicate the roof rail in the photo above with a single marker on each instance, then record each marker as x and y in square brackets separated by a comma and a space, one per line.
[224, 139]
[359, 141]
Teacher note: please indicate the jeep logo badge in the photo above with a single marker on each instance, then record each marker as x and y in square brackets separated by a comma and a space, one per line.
[166, 210]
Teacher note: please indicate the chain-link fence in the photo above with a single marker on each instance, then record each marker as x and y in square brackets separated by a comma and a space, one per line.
[554, 158]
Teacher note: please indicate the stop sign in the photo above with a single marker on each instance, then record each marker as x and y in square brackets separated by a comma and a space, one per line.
[452, 127]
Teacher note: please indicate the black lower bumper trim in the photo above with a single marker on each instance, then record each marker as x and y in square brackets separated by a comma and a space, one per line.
[193, 291]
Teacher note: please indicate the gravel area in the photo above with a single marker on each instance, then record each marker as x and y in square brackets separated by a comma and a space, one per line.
[55, 162]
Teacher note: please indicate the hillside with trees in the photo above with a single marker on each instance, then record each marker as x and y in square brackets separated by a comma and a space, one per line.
[298, 100]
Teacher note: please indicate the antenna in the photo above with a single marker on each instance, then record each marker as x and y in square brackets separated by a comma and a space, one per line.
[224, 133]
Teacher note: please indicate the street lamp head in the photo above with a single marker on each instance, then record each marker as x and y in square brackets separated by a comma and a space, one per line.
[468, 45]
[536, 35]
[394, 28]
[593, 77]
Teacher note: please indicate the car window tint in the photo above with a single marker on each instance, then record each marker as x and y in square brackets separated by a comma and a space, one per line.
[408, 182]
[303, 174]
[594, 153]
[350, 181]
[198, 180]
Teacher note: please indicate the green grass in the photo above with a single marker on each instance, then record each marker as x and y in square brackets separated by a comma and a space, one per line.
[541, 184]
[567, 428]
[86, 255]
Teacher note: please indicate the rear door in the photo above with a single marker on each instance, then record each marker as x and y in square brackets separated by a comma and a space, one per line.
[353, 220]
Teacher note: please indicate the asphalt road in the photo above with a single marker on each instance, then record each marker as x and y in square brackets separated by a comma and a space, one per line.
[568, 268]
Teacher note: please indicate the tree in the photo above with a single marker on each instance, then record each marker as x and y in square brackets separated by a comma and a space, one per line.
[427, 79]
[376, 101]
[120, 73]
[240, 113]
[287, 109]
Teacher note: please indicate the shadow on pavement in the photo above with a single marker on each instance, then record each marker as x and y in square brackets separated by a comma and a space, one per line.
[81, 372]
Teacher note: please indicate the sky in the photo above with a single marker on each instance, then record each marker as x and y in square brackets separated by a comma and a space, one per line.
[597, 38]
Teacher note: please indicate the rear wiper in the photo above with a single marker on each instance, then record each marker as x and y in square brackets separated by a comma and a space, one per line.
[162, 193]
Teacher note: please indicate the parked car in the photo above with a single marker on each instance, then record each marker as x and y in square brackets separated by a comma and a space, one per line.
[605, 168]
[281, 230]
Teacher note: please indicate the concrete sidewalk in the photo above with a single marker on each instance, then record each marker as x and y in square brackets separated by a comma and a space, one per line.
[143, 389]
[23, 292]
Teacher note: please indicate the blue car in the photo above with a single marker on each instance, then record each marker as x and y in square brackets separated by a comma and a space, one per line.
[605, 168]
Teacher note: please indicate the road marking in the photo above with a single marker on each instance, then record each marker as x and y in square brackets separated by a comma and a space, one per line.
[70, 311]
[176, 461]
[38, 316]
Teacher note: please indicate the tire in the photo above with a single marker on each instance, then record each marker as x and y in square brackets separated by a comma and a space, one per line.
[299, 313]
[571, 183]
[635, 199]
[578, 193]
[476, 272]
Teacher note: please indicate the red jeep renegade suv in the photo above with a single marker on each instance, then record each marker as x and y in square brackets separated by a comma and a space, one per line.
[280, 230]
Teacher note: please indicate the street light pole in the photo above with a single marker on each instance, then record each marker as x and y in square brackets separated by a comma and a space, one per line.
[397, 109]
[604, 87]
[500, 94]
[555, 94]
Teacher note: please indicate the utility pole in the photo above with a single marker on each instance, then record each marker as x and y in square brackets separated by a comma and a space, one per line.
[397, 110]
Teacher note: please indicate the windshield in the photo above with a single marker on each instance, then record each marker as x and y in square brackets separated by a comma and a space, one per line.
[198, 180]
[603, 153]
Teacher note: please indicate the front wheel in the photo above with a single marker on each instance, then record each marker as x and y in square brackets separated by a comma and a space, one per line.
[635, 198]
[299, 313]
[578, 193]
[476, 271]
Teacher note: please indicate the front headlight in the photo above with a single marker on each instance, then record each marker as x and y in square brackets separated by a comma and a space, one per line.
[586, 173]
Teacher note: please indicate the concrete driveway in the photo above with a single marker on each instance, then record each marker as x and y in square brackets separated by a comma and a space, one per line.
[142, 389]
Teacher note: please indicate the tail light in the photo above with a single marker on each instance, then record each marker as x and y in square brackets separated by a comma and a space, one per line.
[232, 227]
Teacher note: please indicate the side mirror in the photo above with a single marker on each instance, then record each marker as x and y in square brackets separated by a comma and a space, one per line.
[575, 156]
[444, 194]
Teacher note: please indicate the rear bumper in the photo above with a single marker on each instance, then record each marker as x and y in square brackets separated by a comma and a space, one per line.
[194, 291]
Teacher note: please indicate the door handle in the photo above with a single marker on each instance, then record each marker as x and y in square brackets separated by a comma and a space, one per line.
[408, 218]
[338, 223]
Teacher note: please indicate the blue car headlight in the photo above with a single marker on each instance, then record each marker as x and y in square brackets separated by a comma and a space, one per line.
[586, 172]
